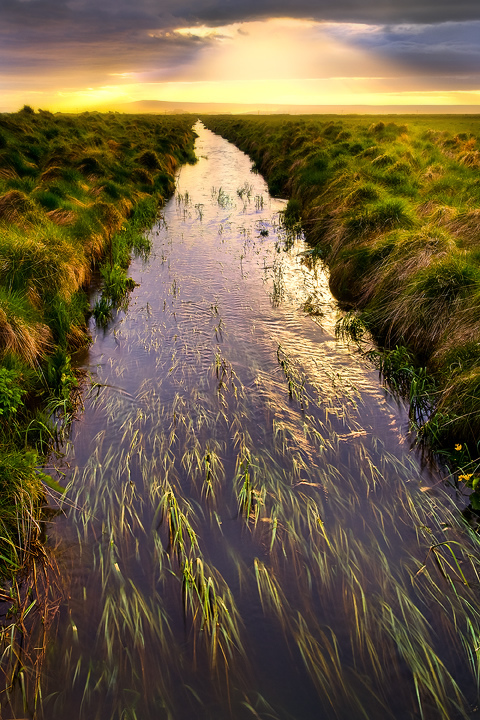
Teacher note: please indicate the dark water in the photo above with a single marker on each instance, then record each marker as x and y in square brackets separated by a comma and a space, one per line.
[247, 532]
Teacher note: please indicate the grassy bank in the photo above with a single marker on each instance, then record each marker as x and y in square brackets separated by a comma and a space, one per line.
[76, 193]
[393, 207]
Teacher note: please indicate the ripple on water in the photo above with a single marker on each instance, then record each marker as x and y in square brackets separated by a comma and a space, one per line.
[244, 527]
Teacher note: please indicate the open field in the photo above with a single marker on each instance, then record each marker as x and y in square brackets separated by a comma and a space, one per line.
[76, 193]
[393, 208]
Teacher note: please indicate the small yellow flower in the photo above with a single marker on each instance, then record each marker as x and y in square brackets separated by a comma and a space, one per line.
[458, 446]
[465, 478]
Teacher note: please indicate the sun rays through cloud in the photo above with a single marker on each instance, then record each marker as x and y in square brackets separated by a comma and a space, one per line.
[74, 56]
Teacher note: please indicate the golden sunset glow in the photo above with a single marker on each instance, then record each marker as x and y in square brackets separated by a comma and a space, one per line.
[333, 91]
[265, 62]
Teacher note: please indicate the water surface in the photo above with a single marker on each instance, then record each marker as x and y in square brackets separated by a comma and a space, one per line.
[247, 532]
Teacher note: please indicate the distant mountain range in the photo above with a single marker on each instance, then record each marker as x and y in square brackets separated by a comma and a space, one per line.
[164, 107]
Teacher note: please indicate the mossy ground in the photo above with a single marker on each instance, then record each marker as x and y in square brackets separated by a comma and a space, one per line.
[392, 204]
[76, 194]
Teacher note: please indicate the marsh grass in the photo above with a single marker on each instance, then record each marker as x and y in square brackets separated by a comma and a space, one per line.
[293, 377]
[208, 548]
[71, 200]
[392, 206]
[21, 662]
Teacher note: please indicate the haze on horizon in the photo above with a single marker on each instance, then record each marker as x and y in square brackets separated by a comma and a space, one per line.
[75, 55]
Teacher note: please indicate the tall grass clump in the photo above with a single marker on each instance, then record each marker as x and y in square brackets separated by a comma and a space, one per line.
[76, 195]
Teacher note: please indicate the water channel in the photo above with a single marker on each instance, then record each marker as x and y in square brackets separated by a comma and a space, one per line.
[247, 532]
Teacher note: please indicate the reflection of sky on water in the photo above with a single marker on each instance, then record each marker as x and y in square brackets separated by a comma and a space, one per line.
[221, 397]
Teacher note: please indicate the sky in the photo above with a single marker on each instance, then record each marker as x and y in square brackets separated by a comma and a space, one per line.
[75, 55]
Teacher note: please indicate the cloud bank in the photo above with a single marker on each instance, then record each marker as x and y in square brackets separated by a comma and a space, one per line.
[68, 44]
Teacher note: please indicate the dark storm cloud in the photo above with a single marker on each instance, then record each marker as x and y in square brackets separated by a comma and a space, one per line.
[38, 34]
[78, 18]
[371, 11]
[443, 49]
[138, 35]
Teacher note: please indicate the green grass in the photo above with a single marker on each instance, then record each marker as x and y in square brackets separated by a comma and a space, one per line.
[199, 518]
[77, 193]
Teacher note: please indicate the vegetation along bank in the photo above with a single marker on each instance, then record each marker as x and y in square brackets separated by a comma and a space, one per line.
[76, 194]
[393, 208]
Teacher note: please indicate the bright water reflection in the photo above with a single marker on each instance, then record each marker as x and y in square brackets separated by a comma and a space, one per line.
[247, 533]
